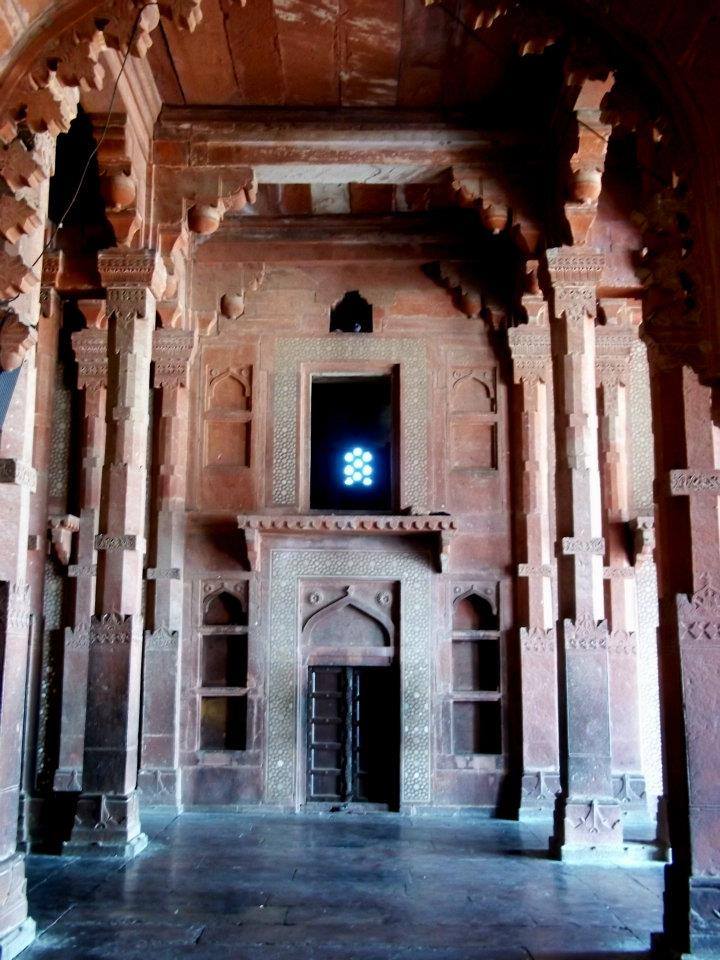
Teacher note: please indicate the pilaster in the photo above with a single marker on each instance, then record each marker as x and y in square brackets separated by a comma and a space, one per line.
[532, 374]
[107, 819]
[615, 341]
[90, 349]
[159, 777]
[588, 822]
[688, 488]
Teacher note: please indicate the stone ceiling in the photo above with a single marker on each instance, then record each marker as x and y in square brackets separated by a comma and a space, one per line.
[329, 53]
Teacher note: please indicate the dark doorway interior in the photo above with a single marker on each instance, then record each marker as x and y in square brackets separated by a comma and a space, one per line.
[354, 735]
[351, 444]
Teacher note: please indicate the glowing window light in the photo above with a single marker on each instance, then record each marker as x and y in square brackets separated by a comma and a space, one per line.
[357, 468]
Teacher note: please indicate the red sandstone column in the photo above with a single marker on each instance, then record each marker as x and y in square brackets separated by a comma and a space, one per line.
[159, 777]
[46, 358]
[17, 481]
[532, 366]
[688, 470]
[614, 343]
[588, 823]
[107, 819]
[90, 349]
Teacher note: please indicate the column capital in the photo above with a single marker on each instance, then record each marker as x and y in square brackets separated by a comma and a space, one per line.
[132, 270]
[90, 349]
[171, 354]
[575, 266]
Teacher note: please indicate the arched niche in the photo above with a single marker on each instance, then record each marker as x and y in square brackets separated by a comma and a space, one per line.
[473, 611]
[473, 395]
[349, 622]
[352, 314]
[224, 609]
[229, 391]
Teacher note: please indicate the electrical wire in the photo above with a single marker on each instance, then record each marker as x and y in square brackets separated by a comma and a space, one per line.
[94, 151]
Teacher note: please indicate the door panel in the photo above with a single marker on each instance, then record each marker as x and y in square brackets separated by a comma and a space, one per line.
[354, 735]
[327, 704]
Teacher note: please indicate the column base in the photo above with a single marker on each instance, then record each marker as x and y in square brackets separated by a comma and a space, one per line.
[17, 940]
[629, 791]
[160, 787]
[692, 917]
[539, 791]
[106, 826]
[587, 831]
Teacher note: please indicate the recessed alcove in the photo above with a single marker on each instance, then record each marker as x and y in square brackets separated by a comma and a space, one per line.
[351, 314]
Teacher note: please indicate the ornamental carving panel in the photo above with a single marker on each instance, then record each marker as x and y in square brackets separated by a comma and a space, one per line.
[412, 357]
[585, 634]
[287, 568]
[699, 615]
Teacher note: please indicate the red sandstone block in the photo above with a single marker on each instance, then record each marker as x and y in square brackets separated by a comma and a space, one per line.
[173, 153]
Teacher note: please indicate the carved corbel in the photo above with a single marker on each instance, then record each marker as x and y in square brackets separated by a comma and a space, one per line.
[205, 216]
[587, 163]
[61, 529]
[15, 340]
[643, 529]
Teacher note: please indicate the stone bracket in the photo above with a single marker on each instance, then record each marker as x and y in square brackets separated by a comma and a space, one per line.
[61, 530]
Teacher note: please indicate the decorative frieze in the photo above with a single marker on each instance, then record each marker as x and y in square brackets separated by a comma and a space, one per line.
[90, 349]
[172, 351]
[575, 546]
[537, 640]
[162, 573]
[531, 570]
[161, 639]
[688, 482]
[281, 523]
[124, 271]
[18, 472]
[618, 573]
[585, 634]
[699, 615]
[125, 541]
[82, 570]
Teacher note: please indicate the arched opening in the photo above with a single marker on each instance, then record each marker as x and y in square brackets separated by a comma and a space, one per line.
[351, 314]
[224, 609]
[473, 612]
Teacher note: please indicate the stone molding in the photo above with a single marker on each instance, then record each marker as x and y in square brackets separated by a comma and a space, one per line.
[537, 640]
[585, 634]
[161, 639]
[573, 266]
[141, 270]
[283, 523]
[574, 546]
[618, 573]
[106, 630]
[699, 615]
[18, 472]
[82, 570]
[688, 482]
[531, 570]
[163, 573]
[125, 541]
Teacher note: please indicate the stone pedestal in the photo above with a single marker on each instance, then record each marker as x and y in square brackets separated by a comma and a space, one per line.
[588, 824]
[107, 821]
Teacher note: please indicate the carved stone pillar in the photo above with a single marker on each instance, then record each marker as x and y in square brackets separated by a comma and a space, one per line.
[107, 819]
[532, 372]
[688, 469]
[614, 344]
[587, 819]
[90, 349]
[46, 358]
[159, 778]
[17, 481]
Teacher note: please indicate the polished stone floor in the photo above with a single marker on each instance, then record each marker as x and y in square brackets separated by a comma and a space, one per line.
[340, 887]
